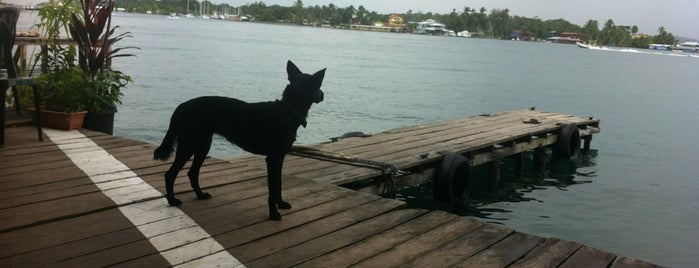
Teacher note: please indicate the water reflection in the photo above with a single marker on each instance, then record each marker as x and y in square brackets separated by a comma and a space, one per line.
[558, 174]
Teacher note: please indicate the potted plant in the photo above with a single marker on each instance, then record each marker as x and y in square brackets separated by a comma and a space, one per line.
[92, 31]
[64, 97]
[63, 93]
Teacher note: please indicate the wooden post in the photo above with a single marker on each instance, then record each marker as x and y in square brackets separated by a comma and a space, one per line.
[519, 168]
[494, 172]
[540, 159]
[586, 144]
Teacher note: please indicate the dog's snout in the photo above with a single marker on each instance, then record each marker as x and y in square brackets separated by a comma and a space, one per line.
[319, 96]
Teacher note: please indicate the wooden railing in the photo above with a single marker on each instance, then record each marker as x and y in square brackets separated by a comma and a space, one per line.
[21, 57]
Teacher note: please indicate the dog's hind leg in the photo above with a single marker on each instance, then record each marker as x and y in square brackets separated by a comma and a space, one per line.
[274, 184]
[200, 152]
[182, 155]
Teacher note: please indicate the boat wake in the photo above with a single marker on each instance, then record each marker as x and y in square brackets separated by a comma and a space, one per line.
[642, 51]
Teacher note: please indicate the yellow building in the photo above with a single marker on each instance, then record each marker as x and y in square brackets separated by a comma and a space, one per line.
[395, 21]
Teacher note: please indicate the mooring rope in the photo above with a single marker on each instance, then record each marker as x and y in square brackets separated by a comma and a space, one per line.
[389, 171]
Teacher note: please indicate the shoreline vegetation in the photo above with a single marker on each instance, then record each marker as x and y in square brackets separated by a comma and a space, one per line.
[470, 22]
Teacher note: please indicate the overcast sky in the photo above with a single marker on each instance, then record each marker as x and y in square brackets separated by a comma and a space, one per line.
[680, 17]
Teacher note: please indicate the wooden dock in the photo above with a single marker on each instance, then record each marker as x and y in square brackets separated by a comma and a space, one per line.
[85, 199]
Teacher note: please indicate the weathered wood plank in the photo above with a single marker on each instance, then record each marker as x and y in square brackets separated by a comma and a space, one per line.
[361, 250]
[416, 247]
[548, 254]
[55, 233]
[85, 249]
[589, 257]
[292, 237]
[38, 213]
[626, 262]
[295, 218]
[249, 212]
[505, 252]
[461, 248]
[335, 240]
[127, 255]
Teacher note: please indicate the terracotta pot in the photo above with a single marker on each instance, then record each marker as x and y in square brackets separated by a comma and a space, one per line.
[60, 120]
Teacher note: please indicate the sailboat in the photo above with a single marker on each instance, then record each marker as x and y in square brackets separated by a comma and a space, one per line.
[188, 15]
[202, 10]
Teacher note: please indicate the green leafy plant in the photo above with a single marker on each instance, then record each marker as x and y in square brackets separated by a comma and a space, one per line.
[55, 16]
[61, 81]
[64, 90]
[92, 31]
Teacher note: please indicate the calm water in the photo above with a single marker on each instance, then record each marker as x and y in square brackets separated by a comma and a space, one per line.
[635, 194]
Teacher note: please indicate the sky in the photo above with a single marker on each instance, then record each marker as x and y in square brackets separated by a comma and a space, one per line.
[679, 17]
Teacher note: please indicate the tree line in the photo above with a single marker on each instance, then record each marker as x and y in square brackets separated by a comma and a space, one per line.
[495, 23]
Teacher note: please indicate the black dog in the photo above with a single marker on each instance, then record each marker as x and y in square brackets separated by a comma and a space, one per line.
[265, 128]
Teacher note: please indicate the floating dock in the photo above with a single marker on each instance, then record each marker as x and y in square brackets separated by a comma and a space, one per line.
[82, 198]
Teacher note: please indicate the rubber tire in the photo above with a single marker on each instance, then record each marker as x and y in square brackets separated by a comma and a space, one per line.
[568, 144]
[452, 180]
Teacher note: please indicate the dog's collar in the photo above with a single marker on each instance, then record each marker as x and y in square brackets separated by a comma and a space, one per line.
[297, 116]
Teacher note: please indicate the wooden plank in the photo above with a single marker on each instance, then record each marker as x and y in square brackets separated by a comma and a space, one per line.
[551, 253]
[16, 181]
[463, 247]
[589, 257]
[240, 206]
[426, 242]
[265, 227]
[30, 162]
[128, 255]
[246, 213]
[55, 233]
[39, 213]
[47, 193]
[292, 237]
[84, 248]
[324, 244]
[504, 252]
[361, 250]
[626, 262]
[41, 188]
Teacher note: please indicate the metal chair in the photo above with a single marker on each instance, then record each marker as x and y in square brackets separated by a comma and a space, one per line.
[8, 75]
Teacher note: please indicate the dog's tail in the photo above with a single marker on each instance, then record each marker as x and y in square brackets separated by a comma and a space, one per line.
[167, 146]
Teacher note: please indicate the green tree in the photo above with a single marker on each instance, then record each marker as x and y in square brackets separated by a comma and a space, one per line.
[642, 42]
[591, 30]
[614, 35]
[664, 37]
[299, 12]
[499, 20]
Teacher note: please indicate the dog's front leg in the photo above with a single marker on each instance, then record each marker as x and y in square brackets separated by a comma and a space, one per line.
[274, 185]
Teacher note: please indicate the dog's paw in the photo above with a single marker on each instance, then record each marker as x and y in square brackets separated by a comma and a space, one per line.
[275, 216]
[284, 205]
[203, 196]
[174, 202]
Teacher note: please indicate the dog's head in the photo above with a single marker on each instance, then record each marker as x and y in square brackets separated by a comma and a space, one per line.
[303, 89]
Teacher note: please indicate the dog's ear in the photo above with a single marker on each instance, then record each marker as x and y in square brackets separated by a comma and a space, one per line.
[292, 70]
[319, 75]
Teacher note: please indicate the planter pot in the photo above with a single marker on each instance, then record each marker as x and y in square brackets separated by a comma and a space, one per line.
[102, 121]
[60, 120]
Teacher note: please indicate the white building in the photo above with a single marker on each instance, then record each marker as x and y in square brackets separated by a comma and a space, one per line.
[430, 27]
[464, 34]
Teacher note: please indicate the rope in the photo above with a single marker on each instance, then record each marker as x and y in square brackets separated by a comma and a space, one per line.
[389, 171]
